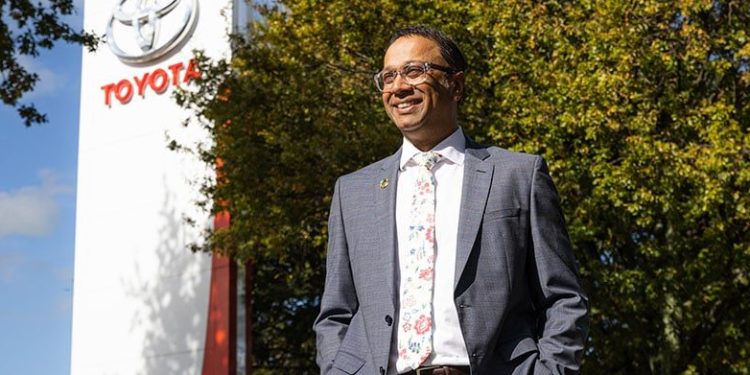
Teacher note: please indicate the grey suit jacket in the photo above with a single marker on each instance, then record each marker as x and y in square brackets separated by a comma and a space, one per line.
[519, 300]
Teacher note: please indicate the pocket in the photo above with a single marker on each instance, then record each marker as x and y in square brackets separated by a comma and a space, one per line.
[347, 362]
[502, 212]
[503, 223]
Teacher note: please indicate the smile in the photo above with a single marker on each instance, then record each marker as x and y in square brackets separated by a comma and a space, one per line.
[407, 106]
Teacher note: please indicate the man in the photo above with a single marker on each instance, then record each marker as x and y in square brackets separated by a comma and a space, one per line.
[447, 257]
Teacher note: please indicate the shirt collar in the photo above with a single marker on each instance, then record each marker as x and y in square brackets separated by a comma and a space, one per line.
[451, 148]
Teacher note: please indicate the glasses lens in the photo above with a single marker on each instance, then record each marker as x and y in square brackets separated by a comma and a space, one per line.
[388, 77]
[384, 79]
[412, 72]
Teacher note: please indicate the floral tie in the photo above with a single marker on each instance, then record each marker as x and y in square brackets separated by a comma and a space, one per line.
[415, 337]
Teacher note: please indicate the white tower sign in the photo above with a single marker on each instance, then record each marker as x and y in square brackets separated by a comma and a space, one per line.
[141, 298]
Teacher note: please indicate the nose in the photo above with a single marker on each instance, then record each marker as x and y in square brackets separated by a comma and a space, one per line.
[401, 87]
[399, 81]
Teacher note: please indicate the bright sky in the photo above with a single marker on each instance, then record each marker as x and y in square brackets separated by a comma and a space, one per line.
[37, 218]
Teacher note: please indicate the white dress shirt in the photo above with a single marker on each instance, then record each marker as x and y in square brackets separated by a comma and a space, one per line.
[448, 343]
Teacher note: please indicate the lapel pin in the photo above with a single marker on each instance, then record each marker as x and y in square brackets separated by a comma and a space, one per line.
[383, 183]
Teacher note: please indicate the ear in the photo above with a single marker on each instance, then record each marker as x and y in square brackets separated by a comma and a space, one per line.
[458, 86]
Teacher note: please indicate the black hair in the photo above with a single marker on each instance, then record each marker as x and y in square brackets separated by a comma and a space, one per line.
[448, 48]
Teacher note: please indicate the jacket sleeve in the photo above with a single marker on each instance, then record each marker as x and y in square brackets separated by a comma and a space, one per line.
[339, 302]
[560, 302]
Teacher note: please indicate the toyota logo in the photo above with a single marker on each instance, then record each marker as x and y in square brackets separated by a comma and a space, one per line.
[142, 31]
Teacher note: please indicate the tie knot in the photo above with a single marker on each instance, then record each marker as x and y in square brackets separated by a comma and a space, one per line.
[427, 159]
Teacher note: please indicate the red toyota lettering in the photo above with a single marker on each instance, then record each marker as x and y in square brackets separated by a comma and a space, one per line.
[125, 97]
[161, 75]
[141, 84]
[108, 93]
[159, 81]
[192, 72]
[175, 68]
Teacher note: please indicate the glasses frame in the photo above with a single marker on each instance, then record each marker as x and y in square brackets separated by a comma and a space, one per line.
[400, 72]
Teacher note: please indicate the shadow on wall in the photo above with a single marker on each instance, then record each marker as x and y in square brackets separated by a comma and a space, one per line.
[174, 298]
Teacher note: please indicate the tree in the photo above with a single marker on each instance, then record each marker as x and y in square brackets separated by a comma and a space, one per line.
[641, 108]
[25, 29]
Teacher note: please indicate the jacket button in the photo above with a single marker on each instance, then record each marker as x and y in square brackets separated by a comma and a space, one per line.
[382, 370]
[474, 355]
[388, 320]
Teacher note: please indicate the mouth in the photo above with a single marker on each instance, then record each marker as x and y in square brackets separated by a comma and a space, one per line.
[407, 106]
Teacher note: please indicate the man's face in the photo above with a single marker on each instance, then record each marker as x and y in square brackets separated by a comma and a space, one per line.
[427, 110]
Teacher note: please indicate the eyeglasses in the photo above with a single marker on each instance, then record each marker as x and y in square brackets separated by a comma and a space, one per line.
[412, 74]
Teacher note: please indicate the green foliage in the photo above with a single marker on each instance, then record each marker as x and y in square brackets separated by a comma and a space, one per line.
[640, 107]
[25, 29]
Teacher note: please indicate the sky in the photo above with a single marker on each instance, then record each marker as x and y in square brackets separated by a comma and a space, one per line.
[37, 217]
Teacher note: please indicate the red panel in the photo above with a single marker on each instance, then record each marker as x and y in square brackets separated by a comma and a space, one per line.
[219, 357]
[249, 270]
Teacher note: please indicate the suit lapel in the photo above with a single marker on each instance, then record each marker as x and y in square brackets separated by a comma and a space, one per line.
[384, 183]
[475, 190]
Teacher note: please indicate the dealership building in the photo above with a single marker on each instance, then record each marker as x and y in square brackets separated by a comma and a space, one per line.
[144, 303]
